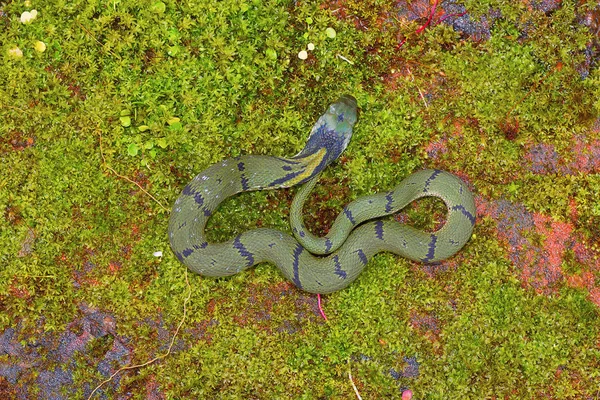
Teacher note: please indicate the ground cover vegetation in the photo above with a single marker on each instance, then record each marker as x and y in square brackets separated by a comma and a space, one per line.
[108, 108]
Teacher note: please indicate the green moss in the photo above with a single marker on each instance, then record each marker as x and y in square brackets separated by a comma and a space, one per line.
[173, 87]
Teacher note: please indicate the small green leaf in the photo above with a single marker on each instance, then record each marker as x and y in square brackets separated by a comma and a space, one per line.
[176, 126]
[149, 144]
[143, 128]
[152, 153]
[125, 121]
[158, 7]
[330, 32]
[271, 54]
[125, 113]
[173, 120]
[133, 149]
[309, 20]
[162, 143]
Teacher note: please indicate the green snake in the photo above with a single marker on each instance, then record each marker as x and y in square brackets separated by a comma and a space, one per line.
[317, 265]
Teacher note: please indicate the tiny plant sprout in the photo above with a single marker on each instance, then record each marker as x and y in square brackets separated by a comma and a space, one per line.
[330, 32]
[39, 46]
[309, 20]
[125, 121]
[303, 55]
[310, 46]
[271, 54]
[15, 52]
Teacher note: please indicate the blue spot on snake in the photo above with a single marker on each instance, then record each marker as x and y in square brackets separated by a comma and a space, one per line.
[179, 256]
[362, 256]
[340, 117]
[338, 268]
[349, 216]
[238, 245]
[286, 168]
[390, 199]
[207, 212]
[302, 234]
[240, 166]
[328, 245]
[198, 199]
[431, 252]
[187, 252]
[464, 212]
[430, 179]
[187, 190]
[297, 251]
[379, 229]
[184, 223]
[245, 183]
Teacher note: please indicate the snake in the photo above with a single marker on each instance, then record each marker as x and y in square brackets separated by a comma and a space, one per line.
[316, 264]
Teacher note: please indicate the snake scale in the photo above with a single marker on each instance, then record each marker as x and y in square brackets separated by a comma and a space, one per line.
[317, 265]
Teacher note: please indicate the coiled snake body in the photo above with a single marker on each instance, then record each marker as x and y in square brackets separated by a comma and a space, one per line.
[356, 234]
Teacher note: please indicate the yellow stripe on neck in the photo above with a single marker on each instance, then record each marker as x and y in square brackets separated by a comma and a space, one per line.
[312, 162]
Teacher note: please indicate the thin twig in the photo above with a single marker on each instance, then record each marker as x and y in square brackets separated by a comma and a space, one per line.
[419, 89]
[431, 14]
[94, 37]
[321, 309]
[352, 382]
[345, 59]
[189, 294]
[124, 177]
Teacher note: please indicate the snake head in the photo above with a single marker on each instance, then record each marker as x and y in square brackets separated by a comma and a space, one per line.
[332, 131]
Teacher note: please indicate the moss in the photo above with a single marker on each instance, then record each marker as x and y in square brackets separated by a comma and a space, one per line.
[504, 94]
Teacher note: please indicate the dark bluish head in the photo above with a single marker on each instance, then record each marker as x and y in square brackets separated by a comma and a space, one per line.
[333, 129]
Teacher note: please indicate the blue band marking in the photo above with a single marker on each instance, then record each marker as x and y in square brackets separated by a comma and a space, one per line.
[241, 166]
[184, 223]
[207, 212]
[328, 245]
[431, 252]
[286, 168]
[362, 256]
[349, 215]
[296, 265]
[340, 117]
[286, 178]
[338, 268]
[390, 200]
[187, 252]
[464, 212]
[245, 183]
[187, 190]
[302, 234]
[200, 246]
[436, 172]
[379, 229]
[179, 256]
[237, 244]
